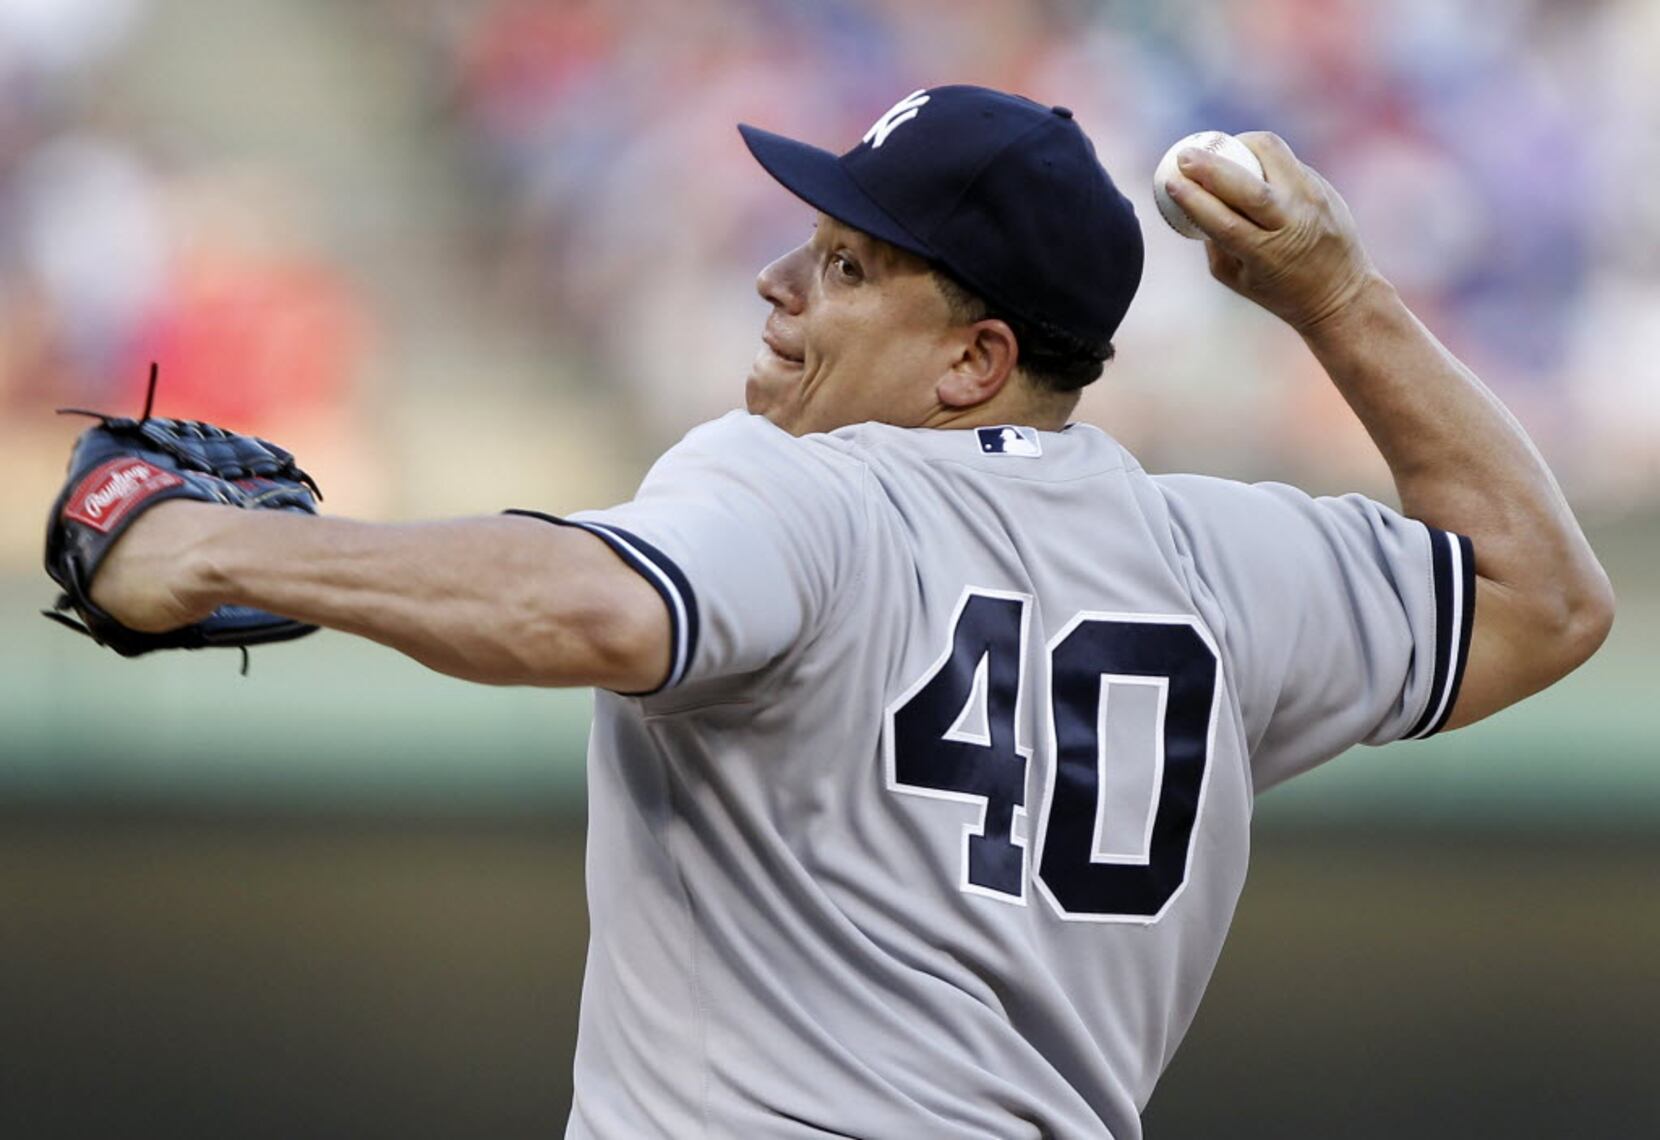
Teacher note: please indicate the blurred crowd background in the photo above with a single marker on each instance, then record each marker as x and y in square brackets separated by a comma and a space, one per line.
[467, 254]
[515, 211]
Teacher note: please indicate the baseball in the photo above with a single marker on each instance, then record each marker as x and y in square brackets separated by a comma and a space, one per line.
[1219, 143]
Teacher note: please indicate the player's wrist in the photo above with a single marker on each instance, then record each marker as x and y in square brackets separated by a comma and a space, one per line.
[204, 575]
[1351, 309]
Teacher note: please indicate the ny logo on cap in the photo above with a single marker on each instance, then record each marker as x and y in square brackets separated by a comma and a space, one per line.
[901, 112]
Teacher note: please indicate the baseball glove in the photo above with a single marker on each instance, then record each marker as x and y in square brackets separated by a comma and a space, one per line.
[121, 468]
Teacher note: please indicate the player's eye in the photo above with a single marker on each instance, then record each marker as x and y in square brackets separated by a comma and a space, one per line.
[844, 267]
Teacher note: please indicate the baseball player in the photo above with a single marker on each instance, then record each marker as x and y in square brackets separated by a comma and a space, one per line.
[929, 723]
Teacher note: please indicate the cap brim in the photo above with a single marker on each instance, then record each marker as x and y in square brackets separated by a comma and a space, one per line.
[818, 178]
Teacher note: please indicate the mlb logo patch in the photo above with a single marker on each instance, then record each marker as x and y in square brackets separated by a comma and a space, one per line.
[1008, 439]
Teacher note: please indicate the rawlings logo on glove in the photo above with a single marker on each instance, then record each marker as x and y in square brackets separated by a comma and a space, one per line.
[123, 467]
[105, 496]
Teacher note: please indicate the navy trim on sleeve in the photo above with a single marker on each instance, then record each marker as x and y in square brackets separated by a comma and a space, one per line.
[661, 572]
[1453, 571]
[1467, 561]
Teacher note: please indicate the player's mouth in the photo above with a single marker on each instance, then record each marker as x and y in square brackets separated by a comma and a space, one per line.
[780, 351]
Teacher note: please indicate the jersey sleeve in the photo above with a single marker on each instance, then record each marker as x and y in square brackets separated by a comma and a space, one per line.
[747, 533]
[1345, 621]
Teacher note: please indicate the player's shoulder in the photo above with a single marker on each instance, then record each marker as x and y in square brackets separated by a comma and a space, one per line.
[741, 440]
[1212, 502]
[1233, 529]
[746, 454]
[1208, 501]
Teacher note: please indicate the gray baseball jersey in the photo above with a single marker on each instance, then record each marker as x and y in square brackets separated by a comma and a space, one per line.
[938, 823]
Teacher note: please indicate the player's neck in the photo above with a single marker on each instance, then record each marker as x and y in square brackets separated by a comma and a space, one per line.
[1016, 403]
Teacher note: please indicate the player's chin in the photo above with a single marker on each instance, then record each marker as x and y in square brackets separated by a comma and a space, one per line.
[774, 384]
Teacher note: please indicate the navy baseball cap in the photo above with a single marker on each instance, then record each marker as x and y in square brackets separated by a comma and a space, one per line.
[1004, 194]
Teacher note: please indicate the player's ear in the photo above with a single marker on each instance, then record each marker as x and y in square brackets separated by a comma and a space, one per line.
[986, 355]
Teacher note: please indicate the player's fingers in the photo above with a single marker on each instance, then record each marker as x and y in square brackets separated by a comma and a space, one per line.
[1290, 176]
[1236, 186]
[1278, 163]
[1214, 217]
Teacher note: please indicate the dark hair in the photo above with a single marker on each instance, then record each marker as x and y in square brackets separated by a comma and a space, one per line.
[1050, 357]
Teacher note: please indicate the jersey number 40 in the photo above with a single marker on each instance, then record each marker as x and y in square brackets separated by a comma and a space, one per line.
[953, 735]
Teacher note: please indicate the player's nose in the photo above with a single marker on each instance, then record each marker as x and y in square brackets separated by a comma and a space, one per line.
[780, 282]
